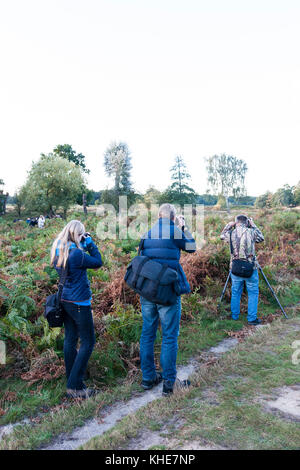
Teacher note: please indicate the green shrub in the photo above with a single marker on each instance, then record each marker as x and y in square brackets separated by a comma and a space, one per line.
[213, 225]
[125, 324]
[288, 221]
[106, 362]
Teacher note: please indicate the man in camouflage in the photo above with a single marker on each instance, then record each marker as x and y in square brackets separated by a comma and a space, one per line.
[244, 235]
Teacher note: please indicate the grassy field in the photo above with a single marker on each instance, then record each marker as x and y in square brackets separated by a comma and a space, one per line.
[32, 383]
[225, 406]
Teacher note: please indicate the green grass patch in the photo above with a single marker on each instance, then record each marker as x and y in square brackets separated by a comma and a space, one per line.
[236, 417]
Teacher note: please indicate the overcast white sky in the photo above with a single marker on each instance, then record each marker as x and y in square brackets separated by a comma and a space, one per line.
[189, 77]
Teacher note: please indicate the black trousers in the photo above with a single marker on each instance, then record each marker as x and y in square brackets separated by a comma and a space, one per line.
[79, 324]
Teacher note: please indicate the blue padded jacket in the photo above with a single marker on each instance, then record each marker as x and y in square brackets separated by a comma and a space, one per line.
[77, 285]
[163, 243]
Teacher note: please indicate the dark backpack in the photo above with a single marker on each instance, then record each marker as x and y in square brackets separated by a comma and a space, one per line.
[154, 281]
[241, 267]
[53, 309]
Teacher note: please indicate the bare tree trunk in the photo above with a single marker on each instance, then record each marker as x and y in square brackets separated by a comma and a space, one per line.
[19, 207]
[3, 199]
[227, 204]
[84, 204]
[4, 203]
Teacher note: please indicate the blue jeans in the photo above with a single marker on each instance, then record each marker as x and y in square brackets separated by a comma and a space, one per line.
[169, 317]
[79, 324]
[236, 293]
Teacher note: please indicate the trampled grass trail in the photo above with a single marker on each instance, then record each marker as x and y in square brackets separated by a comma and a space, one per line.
[113, 414]
[248, 399]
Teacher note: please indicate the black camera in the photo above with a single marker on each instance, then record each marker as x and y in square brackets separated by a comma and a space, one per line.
[84, 236]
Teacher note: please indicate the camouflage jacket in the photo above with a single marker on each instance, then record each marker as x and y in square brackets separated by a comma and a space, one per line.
[243, 241]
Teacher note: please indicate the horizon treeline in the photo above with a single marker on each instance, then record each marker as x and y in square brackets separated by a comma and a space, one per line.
[58, 180]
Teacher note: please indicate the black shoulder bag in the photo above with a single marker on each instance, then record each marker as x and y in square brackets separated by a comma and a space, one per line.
[240, 267]
[154, 281]
[53, 309]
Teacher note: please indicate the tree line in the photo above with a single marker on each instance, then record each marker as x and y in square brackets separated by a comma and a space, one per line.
[287, 196]
[58, 180]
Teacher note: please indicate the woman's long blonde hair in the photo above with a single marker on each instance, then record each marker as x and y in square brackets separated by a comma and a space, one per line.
[72, 232]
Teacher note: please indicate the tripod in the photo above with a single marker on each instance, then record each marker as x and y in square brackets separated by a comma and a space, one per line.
[268, 284]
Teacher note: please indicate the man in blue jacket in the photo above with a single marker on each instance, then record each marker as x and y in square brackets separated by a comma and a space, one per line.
[163, 243]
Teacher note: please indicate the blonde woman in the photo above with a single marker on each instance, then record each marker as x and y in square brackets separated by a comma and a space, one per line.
[69, 251]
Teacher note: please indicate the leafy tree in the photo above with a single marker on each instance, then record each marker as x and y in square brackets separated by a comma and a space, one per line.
[265, 200]
[89, 193]
[66, 151]
[167, 196]
[151, 196]
[53, 182]
[226, 175]
[117, 164]
[96, 196]
[297, 194]
[283, 196]
[19, 201]
[3, 199]
[243, 200]
[109, 196]
[207, 199]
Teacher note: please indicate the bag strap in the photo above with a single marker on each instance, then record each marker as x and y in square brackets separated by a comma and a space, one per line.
[161, 272]
[62, 280]
[231, 245]
[138, 271]
[141, 246]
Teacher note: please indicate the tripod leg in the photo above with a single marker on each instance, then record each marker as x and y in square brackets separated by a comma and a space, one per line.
[270, 287]
[225, 287]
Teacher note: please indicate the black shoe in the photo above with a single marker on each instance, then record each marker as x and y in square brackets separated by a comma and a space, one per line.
[257, 321]
[84, 393]
[168, 388]
[148, 384]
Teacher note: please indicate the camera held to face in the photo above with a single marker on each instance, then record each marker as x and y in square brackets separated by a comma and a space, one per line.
[84, 236]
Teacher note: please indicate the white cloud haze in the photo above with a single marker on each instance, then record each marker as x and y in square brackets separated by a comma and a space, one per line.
[189, 77]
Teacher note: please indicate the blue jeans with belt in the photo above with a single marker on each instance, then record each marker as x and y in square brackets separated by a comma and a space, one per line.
[169, 317]
[78, 321]
[252, 284]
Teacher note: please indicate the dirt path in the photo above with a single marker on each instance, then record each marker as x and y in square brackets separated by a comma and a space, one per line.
[148, 439]
[110, 416]
[8, 428]
[250, 399]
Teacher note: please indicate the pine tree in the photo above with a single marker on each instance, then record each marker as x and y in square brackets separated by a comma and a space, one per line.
[179, 191]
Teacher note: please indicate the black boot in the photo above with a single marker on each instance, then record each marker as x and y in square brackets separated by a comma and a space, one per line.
[148, 384]
[83, 394]
[169, 388]
[257, 321]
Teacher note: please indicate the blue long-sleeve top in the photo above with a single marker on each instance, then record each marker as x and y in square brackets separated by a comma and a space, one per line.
[77, 286]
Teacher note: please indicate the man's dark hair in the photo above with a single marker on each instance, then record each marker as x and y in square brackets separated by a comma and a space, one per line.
[243, 219]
